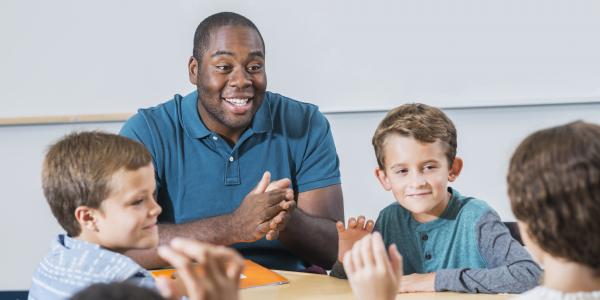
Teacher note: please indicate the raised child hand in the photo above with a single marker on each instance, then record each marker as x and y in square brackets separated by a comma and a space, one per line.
[373, 273]
[357, 229]
[208, 272]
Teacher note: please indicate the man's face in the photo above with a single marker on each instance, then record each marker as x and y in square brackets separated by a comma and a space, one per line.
[127, 218]
[417, 174]
[231, 79]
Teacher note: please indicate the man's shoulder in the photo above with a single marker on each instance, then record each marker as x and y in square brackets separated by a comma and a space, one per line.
[166, 111]
[284, 107]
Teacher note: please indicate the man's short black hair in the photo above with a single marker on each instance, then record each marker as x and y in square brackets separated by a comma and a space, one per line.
[218, 20]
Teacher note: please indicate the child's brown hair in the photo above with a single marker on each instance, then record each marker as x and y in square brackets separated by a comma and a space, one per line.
[78, 169]
[422, 122]
[554, 188]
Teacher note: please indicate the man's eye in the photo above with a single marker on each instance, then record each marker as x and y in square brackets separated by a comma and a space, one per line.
[254, 68]
[223, 68]
[402, 171]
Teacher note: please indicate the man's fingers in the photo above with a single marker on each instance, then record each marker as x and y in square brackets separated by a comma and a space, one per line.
[262, 185]
[279, 184]
[272, 235]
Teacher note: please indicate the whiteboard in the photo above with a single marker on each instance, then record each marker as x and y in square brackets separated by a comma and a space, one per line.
[65, 57]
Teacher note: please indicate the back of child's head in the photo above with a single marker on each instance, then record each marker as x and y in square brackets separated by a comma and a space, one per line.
[422, 122]
[554, 188]
[77, 171]
[116, 291]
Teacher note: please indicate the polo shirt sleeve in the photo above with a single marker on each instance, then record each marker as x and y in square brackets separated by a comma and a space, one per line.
[137, 129]
[320, 163]
[510, 269]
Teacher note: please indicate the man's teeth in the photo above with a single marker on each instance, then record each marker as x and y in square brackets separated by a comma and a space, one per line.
[237, 101]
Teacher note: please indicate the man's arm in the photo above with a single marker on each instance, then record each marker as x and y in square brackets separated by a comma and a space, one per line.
[310, 232]
[248, 223]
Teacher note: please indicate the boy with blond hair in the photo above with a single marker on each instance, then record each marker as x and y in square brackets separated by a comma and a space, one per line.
[554, 190]
[100, 188]
[449, 242]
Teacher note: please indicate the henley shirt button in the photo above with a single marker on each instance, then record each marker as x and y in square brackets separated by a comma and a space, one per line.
[424, 237]
[427, 256]
[214, 138]
[231, 158]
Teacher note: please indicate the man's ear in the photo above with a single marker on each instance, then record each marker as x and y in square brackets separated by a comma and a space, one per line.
[383, 179]
[193, 70]
[86, 217]
[455, 169]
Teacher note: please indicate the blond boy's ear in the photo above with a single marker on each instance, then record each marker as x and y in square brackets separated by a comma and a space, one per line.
[383, 179]
[86, 218]
[455, 169]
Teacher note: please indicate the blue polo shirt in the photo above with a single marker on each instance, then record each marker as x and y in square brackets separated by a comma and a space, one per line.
[199, 175]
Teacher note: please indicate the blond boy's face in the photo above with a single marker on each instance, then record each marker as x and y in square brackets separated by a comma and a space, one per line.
[127, 219]
[418, 174]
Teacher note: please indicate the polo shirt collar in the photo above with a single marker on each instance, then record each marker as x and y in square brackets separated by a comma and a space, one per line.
[262, 121]
[191, 118]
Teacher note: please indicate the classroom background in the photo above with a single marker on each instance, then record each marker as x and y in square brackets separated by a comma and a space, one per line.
[500, 69]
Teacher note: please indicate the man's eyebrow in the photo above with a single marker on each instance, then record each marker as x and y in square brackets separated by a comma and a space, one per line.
[222, 52]
[225, 52]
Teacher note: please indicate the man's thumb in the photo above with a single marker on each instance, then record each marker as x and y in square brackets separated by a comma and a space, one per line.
[262, 185]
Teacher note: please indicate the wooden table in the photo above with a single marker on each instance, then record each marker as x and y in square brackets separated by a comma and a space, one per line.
[313, 286]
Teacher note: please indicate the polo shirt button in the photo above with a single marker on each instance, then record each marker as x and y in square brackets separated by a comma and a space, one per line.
[427, 256]
[424, 237]
[215, 137]
[231, 158]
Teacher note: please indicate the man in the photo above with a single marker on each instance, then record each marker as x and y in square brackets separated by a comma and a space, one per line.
[211, 147]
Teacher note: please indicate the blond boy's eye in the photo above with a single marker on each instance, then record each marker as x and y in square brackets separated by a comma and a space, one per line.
[137, 202]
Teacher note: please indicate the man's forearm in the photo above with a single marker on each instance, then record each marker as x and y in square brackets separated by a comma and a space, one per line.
[312, 238]
[215, 230]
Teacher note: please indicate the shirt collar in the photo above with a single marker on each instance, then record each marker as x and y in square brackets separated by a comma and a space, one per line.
[191, 118]
[262, 121]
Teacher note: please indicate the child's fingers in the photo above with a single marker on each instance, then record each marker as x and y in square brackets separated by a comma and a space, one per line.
[183, 265]
[366, 250]
[351, 222]
[191, 248]
[396, 261]
[370, 225]
[361, 222]
[357, 255]
[339, 225]
[215, 269]
[349, 263]
[165, 287]
[381, 259]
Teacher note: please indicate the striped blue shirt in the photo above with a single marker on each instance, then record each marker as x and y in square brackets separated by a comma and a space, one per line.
[74, 264]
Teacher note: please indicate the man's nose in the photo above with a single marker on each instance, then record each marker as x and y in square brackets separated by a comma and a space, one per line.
[239, 78]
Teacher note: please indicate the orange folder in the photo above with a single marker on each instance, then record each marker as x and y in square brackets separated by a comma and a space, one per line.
[253, 275]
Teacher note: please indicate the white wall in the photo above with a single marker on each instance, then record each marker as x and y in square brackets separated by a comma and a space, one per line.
[340, 54]
[487, 137]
